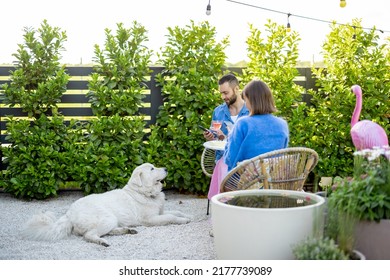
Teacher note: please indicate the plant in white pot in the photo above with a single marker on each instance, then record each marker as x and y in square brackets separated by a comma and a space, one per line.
[365, 200]
[264, 224]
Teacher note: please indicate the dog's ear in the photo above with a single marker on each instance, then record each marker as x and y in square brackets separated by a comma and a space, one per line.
[136, 178]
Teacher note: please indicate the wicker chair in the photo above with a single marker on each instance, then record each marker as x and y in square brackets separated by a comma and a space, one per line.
[207, 162]
[285, 169]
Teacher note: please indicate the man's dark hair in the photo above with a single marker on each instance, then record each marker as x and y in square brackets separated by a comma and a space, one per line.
[230, 78]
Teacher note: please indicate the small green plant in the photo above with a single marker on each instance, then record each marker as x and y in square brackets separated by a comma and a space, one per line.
[318, 249]
[366, 195]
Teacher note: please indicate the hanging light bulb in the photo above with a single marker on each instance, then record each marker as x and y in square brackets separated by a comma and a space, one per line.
[208, 9]
[343, 3]
[288, 27]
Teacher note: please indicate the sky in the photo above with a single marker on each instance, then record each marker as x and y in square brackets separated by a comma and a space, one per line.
[85, 21]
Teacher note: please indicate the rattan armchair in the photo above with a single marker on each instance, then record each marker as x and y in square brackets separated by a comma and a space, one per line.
[207, 161]
[285, 169]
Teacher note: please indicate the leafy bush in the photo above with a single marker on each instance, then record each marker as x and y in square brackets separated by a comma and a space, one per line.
[351, 56]
[113, 146]
[273, 59]
[193, 62]
[39, 81]
[119, 79]
[107, 156]
[37, 155]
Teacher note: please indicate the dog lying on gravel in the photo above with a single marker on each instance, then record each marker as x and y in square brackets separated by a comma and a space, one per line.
[139, 203]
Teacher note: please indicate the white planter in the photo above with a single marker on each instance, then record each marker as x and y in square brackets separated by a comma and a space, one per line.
[264, 233]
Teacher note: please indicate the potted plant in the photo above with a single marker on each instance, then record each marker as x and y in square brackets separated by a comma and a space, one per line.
[359, 207]
[337, 242]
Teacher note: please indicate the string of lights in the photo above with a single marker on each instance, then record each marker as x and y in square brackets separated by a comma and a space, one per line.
[342, 4]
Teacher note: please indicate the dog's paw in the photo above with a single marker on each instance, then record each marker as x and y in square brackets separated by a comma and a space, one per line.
[131, 231]
[103, 243]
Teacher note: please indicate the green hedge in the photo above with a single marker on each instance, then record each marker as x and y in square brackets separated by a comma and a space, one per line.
[100, 155]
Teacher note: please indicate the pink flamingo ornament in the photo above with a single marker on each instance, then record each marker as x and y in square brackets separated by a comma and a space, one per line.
[365, 134]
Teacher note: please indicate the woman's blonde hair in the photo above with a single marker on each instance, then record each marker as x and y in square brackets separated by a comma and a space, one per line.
[260, 98]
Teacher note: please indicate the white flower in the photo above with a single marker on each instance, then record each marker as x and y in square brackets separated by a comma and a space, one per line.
[374, 153]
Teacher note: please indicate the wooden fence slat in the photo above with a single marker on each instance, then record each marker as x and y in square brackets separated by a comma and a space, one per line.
[74, 98]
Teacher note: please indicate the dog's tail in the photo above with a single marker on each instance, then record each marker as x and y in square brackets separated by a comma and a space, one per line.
[45, 226]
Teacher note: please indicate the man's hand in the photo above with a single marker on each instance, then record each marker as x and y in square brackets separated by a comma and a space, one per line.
[208, 135]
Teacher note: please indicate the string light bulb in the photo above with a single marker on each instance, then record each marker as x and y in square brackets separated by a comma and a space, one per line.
[208, 9]
[288, 28]
[343, 3]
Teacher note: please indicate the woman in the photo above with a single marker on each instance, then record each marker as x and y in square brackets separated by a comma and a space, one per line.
[258, 133]
[252, 135]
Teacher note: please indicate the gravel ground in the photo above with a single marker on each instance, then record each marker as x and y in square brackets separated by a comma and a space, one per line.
[174, 242]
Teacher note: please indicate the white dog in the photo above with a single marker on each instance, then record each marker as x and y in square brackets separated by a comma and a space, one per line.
[139, 203]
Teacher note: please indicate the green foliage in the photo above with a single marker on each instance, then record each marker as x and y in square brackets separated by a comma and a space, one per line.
[38, 157]
[39, 81]
[351, 56]
[193, 61]
[119, 77]
[114, 147]
[318, 249]
[340, 226]
[273, 59]
[366, 195]
[109, 153]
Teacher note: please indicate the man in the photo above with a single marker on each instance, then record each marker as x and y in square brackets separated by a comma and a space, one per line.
[228, 112]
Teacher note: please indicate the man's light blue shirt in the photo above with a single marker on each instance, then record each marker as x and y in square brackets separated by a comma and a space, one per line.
[222, 113]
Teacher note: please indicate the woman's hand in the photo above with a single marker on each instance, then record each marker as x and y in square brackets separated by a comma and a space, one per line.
[220, 135]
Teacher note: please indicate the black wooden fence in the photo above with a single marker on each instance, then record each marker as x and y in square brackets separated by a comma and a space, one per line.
[74, 103]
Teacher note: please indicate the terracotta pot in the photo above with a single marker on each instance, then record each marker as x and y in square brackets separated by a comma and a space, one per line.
[373, 239]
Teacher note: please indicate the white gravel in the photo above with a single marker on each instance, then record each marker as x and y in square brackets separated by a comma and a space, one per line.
[174, 242]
